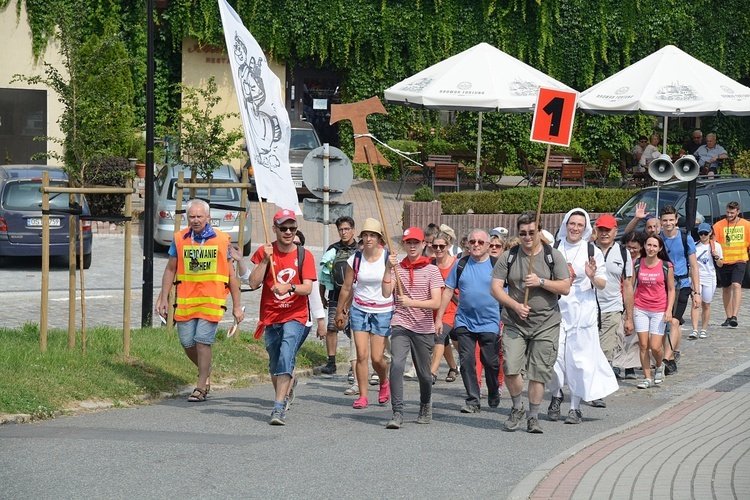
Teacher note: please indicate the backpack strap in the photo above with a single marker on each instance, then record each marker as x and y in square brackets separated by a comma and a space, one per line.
[461, 264]
[625, 256]
[358, 261]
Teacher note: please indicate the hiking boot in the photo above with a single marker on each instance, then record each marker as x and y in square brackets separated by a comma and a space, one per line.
[374, 379]
[533, 427]
[630, 373]
[329, 368]
[350, 376]
[553, 412]
[659, 375]
[425, 413]
[277, 417]
[396, 421]
[514, 419]
[733, 322]
[726, 322]
[574, 417]
[493, 400]
[702, 334]
[693, 335]
[470, 409]
[599, 403]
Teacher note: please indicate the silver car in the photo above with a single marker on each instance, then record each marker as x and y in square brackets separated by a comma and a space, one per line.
[303, 140]
[226, 218]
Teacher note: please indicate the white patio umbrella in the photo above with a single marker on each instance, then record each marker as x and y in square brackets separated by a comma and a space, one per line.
[482, 78]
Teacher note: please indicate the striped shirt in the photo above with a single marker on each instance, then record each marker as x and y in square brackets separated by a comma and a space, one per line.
[416, 319]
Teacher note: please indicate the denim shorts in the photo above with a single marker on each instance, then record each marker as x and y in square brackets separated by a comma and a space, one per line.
[196, 330]
[282, 340]
[375, 323]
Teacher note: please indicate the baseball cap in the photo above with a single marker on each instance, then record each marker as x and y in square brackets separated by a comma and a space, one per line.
[499, 231]
[649, 217]
[413, 233]
[606, 221]
[284, 215]
[704, 227]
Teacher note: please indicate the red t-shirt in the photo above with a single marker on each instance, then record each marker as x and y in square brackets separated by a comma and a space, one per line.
[449, 316]
[651, 290]
[283, 308]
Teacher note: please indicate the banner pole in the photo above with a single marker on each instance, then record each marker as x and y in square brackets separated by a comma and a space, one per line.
[538, 233]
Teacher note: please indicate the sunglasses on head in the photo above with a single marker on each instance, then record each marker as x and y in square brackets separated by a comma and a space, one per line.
[438, 247]
[287, 229]
[476, 242]
[526, 233]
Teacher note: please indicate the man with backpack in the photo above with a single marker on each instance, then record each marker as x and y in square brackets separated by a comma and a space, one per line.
[681, 251]
[345, 248]
[532, 327]
[477, 320]
[616, 299]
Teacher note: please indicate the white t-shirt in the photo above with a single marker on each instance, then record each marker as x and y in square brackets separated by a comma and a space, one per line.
[706, 261]
[610, 299]
[367, 288]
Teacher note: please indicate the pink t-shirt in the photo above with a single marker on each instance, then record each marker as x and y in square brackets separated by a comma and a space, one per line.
[651, 290]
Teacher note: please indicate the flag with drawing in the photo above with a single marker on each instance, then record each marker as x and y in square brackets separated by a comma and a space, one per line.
[264, 116]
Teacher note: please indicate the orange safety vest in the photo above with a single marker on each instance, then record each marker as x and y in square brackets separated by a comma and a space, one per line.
[734, 240]
[202, 277]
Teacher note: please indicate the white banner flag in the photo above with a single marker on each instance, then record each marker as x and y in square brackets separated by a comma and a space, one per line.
[264, 116]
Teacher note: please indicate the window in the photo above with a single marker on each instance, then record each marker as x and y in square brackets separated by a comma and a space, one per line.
[741, 196]
[26, 196]
[704, 208]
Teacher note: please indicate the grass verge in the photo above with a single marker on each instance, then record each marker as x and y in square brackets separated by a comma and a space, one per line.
[41, 384]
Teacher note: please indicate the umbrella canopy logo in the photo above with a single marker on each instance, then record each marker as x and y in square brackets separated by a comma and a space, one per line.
[676, 91]
[523, 88]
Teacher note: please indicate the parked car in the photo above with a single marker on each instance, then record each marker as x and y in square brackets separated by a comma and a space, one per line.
[225, 219]
[21, 214]
[303, 140]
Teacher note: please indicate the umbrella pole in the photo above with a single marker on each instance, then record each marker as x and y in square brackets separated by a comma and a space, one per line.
[664, 146]
[478, 184]
[538, 233]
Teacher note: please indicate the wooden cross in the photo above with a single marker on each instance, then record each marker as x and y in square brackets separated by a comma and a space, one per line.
[357, 113]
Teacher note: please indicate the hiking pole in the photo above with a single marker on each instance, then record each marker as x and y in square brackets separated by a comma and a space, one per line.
[382, 214]
[538, 233]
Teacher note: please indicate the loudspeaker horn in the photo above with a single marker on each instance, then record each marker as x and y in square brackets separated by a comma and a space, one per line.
[686, 168]
[661, 169]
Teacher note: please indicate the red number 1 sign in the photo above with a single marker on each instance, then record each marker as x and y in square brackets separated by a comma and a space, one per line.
[553, 117]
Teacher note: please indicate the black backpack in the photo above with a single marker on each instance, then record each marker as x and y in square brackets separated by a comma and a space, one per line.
[338, 270]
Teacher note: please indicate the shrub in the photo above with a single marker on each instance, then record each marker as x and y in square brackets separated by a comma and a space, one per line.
[742, 163]
[425, 193]
[517, 200]
[108, 171]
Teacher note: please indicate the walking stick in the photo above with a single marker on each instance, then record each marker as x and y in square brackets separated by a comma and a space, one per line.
[538, 233]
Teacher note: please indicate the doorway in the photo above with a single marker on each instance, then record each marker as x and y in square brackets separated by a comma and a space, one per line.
[309, 98]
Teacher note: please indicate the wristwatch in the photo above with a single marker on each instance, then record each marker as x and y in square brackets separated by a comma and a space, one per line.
[293, 289]
[542, 281]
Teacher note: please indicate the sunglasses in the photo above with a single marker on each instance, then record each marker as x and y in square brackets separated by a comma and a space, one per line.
[495, 245]
[703, 234]
[345, 228]
[477, 242]
[439, 247]
[287, 229]
[523, 234]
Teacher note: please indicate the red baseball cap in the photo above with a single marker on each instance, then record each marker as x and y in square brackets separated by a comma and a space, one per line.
[606, 221]
[413, 233]
[283, 216]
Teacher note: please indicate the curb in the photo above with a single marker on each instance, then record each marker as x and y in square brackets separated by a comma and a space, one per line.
[528, 485]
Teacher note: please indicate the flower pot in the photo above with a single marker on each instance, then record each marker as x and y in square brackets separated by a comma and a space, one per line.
[140, 170]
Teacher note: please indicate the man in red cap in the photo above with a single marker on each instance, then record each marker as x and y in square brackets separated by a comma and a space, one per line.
[283, 307]
[616, 297]
[413, 326]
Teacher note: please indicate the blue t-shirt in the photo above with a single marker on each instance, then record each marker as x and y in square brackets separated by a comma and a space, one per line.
[477, 311]
[676, 252]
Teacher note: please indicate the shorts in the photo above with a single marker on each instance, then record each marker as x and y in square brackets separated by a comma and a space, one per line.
[731, 273]
[648, 321]
[331, 327]
[680, 303]
[282, 340]
[375, 323]
[707, 291]
[196, 331]
[445, 337]
[536, 352]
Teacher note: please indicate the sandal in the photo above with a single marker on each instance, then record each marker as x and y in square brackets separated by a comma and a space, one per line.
[198, 395]
[452, 374]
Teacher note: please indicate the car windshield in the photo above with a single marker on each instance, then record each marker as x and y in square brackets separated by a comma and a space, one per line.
[627, 211]
[25, 195]
[303, 138]
[218, 195]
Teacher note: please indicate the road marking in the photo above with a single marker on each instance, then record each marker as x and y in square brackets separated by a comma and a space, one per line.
[87, 298]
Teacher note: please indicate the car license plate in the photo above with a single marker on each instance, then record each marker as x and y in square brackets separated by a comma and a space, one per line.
[297, 184]
[37, 222]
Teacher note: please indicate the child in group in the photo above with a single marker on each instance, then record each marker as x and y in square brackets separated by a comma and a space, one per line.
[653, 298]
[709, 256]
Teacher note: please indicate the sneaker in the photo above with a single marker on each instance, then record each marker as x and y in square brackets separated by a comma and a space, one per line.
[434, 378]
[574, 417]
[659, 375]
[291, 394]
[599, 403]
[350, 376]
[514, 419]
[677, 356]
[384, 393]
[693, 335]
[329, 368]
[360, 403]
[374, 379]
[645, 383]
[630, 373]
[277, 417]
[286, 403]
[702, 334]
[733, 322]
[425, 413]
[470, 409]
[618, 373]
[493, 401]
[726, 322]
[397, 420]
[411, 373]
[670, 366]
[353, 390]
[553, 412]
[533, 427]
